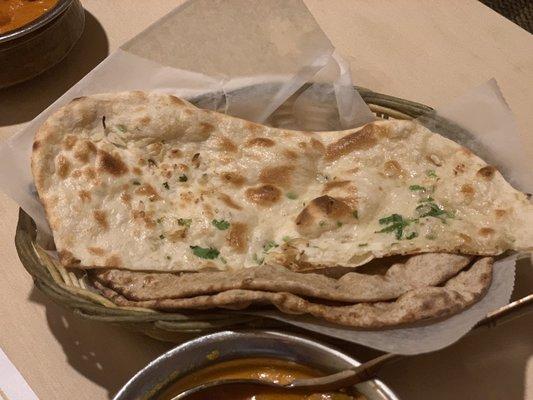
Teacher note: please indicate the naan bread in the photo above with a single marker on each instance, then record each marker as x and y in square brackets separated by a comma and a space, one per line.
[149, 182]
[423, 304]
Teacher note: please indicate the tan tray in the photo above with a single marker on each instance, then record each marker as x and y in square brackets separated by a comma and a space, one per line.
[69, 288]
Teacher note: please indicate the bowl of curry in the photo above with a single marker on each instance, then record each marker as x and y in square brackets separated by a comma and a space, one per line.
[275, 356]
[35, 35]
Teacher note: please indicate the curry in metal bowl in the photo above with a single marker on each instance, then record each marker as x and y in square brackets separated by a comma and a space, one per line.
[269, 369]
[274, 356]
[17, 13]
[36, 35]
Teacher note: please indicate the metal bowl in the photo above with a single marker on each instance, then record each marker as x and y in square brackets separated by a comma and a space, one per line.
[192, 356]
[33, 48]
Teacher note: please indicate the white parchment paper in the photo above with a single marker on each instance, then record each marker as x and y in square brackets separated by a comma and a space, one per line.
[250, 60]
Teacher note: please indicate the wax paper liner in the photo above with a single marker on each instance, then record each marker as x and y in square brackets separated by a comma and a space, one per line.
[249, 61]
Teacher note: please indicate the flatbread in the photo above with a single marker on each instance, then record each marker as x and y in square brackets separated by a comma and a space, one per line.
[423, 304]
[149, 182]
[417, 271]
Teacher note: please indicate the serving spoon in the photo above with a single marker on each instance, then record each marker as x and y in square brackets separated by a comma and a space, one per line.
[339, 380]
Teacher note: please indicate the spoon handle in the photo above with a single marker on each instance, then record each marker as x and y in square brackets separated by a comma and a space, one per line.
[348, 377]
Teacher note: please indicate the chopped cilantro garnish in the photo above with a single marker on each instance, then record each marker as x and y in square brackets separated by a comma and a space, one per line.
[223, 260]
[415, 188]
[322, 223]
[183, 178]
[161, 236]
[207, 253]
[269, 246]
[168, 257]
[427, 199]
[433, 210]
[165, 184]
[396, 224]
[286, 239]
[431, 173]
[362, 244]
[121, 128]
[159, 220]
[339, 224]
[292, 195]
[431, 236]
[184, 222]
[220, 224]
[412, 235]
[136, 183]
[355, 214]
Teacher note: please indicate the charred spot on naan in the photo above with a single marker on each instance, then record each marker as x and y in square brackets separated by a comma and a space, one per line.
[113, 261]
[290, 154]
[393, 169]
[468, 192]
[90, 173]
[100, 216]
[84, 196]
[67, 258]
[264, 195]
[69, 141]
[97, 251]
[63, 166]
[344, 191]
[363, 139]
[111, 164]
[317, 145]
[125, 198]
[280, 175]
[500, 213]
[148, 190]
[226, 144]
[486, 172]
[233, 178]
[238, 237]
[228, 201]
[175, 153]
[144, 216]
[486, 232]
[323, 214]
[260, 142]
[459, 169]
[83, 149]
[177, 235]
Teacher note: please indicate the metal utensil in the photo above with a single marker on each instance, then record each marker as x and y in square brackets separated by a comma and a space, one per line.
[339, 380]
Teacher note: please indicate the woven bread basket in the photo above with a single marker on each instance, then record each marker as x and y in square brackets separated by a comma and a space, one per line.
[69, 288]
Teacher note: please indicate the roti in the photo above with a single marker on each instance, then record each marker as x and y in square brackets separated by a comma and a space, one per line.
[149, 182]
[422, 304]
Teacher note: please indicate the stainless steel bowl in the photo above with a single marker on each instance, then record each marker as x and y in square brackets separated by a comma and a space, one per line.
[33, 48]
[192, 356]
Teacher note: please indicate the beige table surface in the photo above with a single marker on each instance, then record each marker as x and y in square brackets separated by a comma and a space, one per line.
[426, 51]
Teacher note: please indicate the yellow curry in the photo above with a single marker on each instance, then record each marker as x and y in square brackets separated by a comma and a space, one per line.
[17, 13]
[252, 368]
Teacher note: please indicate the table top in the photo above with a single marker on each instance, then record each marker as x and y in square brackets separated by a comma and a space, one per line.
[423, 51]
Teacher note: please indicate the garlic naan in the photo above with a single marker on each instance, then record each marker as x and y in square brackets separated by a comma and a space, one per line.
[150, 182]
